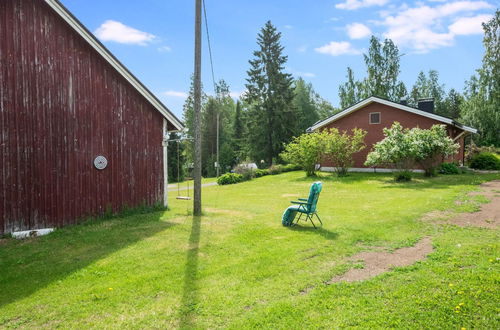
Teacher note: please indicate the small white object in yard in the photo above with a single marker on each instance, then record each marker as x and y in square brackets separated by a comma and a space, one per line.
[31, 233]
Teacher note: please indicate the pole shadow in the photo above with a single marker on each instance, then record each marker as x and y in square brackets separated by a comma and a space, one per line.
[189, 293]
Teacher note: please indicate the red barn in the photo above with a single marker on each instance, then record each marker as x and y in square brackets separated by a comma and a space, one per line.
[373, 114]
[79, 134]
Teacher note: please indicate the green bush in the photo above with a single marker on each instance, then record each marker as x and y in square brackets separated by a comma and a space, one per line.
[403, 176]
[291, 167]
[229, 178]
[258, 173]
[275, 169]
[485, 161]
[449, 168]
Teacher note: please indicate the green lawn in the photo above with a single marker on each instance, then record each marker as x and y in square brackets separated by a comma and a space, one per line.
[237, 267]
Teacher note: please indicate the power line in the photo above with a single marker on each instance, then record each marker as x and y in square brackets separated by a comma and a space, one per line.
[209, 46]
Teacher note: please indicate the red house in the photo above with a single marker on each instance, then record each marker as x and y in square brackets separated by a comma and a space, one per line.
[79, 134]
[373, 114]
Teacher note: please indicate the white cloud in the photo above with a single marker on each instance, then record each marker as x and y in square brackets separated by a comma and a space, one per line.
[288, 27]
[358, 31]
[119, 32]
[356, 4]
[164, 49]
[423, 28]
[335, 48]
[302, 49]
[175, 94]
[469, 25]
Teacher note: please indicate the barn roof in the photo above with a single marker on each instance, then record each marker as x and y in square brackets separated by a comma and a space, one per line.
[65, 14]
[375, 99]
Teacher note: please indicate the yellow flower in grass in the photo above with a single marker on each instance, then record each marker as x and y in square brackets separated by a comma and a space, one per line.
[463, 329]
[450, 285]
[460, 292]
[461, 304]
[110, 289]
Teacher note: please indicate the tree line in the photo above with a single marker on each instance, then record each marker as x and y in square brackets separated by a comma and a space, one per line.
[275, 107]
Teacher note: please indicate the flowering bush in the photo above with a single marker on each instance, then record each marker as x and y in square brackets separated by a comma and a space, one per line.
[340, 147]
[403, 148]
[431, 146]
[394, 150]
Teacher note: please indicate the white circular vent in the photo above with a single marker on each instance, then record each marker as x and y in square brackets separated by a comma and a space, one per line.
[100, 162]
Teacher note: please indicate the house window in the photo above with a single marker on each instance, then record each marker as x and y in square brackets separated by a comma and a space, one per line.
[374, 117]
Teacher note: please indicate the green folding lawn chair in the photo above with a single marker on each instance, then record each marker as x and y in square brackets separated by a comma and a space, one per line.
[304, 206]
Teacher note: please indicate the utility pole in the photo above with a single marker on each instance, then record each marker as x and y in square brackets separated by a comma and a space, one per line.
[218, 164]
[197, 111]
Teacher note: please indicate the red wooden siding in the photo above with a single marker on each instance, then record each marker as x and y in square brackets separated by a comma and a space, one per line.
[388, 115]
[61, 105]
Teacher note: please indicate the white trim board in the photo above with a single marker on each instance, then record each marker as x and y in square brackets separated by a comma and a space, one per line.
[120, 68]
[367, 170]
[373, 99]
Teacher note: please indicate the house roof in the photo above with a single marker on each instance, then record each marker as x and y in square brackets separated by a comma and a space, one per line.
[374, 99]
[65, 14]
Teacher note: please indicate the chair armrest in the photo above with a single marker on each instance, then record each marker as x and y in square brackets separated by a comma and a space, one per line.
[302, 199]
[296, 202]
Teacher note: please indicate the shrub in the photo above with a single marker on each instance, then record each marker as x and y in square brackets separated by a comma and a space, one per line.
[473, 150]
[275, 169]
[394, 150]
[449, 168]
[485, 161]
[259, 173]
[291, 167]
[403, 176]
[305, 151]
[430, 146]
[340, 147]
[229, 178]
[402, 148]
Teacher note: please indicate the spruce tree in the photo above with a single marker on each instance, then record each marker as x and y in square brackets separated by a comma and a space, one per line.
[272, 117]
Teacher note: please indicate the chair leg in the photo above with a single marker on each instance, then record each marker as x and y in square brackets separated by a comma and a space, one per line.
[309, 216]
[317, 216]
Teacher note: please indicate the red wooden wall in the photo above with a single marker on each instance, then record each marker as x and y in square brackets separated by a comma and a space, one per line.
[388, 115]
[61, 105]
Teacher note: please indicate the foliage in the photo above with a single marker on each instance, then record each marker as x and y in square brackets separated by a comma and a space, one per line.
[245, 171]
[339, 148]
[218, 112]
[306, 151]
[176, 159]
[229, 178]
[403, 176]
[275, 169]
[382, 75]
[394, 150]
[473, 149]
[272, 117]
[303, 102]
[430, 146]
[428, 87]
[403, 148]
[481, 108]
[261, 172]
[238, 138]
[485, 161]
[449, 168]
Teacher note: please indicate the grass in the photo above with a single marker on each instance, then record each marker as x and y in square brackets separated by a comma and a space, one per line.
[237, 267]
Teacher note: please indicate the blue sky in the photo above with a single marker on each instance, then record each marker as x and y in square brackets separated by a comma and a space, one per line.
[154, 38]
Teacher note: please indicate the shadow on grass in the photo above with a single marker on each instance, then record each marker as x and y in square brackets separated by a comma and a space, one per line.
[189, 294]
[27, 266]
[387, 180]
[309, 229]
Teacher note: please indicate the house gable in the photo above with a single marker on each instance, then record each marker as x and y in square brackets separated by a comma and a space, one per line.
[77, 26]
[399, 107]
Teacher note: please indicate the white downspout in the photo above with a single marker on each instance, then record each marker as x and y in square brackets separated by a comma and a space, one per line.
[165, 163]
